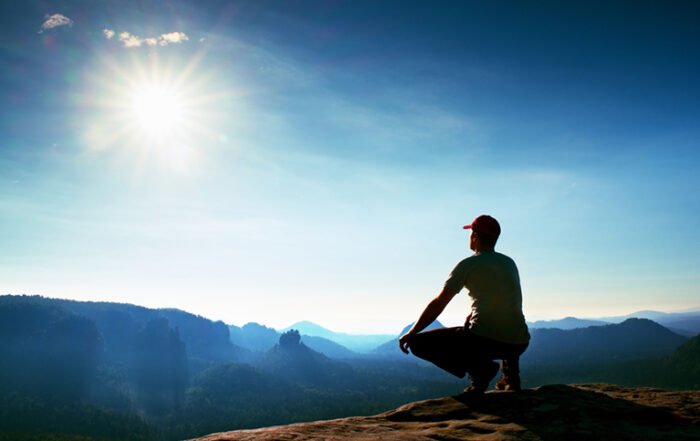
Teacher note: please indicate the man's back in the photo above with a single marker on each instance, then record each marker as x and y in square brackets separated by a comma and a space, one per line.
[493, 283]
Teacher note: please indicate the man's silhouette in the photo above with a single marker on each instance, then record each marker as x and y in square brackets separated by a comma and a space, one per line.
[495, 328]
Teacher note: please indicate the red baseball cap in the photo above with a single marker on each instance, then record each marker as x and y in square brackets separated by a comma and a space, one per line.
[485, 224]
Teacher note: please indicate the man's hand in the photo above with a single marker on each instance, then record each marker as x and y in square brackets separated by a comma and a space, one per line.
[405, 342]
[430, 313]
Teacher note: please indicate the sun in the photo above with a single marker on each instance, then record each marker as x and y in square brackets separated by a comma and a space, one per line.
[157, 109]
[157, 114]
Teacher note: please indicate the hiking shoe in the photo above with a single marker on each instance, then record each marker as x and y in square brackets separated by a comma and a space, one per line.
[508, 383]
[480, 382]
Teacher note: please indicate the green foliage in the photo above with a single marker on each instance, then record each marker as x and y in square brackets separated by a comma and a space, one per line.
[46, 350]
[237, 396]
[680, 371]
[683, 366]
[158, 367]
[600, 345]
[31, 416]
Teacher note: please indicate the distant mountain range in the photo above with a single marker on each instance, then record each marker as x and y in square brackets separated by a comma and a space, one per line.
[684, 323]
[292, 360]
[260, 338]
[565, 323]
[354, 342]
[167, 371]
[254, 336]
[631, 339]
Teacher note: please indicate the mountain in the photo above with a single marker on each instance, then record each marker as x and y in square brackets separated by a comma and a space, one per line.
[327, 347]
[118, 324]
[679, 370]
[46, 349]
[690, 325]
[49, 350]
[354, 342]
[631, 339]
[558, 412]
[434, 325]
[63, 363]
[292, 360]
[685, 322]
[565, 323]
[203, 338]
[683, 365]
[259, 338]
[254, 336]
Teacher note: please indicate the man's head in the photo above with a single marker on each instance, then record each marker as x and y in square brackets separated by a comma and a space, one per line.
[485, 232]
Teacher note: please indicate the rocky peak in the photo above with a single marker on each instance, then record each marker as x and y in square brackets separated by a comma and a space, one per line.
[290, 339]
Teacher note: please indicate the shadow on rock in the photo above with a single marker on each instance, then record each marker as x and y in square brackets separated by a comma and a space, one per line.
[555, 412]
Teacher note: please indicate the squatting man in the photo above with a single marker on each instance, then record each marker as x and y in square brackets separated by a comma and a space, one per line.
[494, 330]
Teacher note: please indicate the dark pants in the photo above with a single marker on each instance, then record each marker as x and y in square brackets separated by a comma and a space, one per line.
[459, 351]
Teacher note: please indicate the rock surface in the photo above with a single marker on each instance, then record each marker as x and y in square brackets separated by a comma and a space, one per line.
[556, 412]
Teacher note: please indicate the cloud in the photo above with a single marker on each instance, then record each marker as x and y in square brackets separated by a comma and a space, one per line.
[172, 37]
[54, 21]
[130, 40]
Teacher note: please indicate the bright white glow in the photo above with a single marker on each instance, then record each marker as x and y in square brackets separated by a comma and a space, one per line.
[157, 110]
[156, 114]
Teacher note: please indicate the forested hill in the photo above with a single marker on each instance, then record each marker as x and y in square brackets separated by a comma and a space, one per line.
[119, 323]
[97, 371]
[629, 340]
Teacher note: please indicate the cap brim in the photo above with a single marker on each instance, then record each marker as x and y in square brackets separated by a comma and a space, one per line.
[466, 227]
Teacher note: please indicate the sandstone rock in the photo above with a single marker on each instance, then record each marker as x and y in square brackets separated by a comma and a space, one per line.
[556, 412]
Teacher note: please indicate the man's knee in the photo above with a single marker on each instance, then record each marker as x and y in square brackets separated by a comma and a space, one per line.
[419, 344]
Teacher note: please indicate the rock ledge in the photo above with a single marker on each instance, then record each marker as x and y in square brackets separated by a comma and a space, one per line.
[555, 412]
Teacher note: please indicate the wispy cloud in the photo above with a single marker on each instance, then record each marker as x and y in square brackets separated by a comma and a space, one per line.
[54, 21]
[130, 40]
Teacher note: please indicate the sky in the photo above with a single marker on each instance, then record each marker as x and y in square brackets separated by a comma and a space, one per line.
[275, 161]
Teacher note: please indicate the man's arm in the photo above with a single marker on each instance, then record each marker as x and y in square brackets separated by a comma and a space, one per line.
[430, 313]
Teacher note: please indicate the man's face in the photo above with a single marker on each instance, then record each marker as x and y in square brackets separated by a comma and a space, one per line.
[473, 239]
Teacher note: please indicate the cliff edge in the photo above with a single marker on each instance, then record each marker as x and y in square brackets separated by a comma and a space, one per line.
[555, 412]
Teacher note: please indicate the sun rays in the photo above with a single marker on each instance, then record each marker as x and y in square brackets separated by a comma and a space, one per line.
[152, 113]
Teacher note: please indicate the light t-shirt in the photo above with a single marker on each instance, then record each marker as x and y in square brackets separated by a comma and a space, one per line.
[494, 286]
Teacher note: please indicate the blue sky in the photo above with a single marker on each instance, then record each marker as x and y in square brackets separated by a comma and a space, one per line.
[316, 160]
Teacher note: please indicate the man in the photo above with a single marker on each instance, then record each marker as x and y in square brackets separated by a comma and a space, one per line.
[495, 328]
